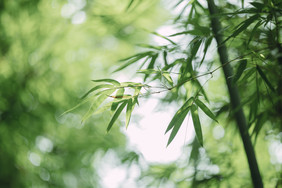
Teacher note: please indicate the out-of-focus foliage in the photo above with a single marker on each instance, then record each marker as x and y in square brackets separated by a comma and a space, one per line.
[47, 51]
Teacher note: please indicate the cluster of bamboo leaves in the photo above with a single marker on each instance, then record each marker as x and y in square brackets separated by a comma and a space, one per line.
[154, 64]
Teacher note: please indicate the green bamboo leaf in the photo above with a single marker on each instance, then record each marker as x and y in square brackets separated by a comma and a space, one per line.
[197, 124]
[178, 123]
[129, 110]
[254, 31]
[78, 105]
[151, 65]
[242, 26]
[118, 96]
[263, 76]
[164, 57]
[116, 115]
[205, 109]
[249, 73]
[112, 81]
[96, 103]
[195, 45]
[207, 44]
[138, 56]
[178, 114]
[150, 46]
[167, 76]
[242, 66]
[108, 86]
[159, 35]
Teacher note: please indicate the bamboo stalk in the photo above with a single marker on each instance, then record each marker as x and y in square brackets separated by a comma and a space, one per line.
[234, 96]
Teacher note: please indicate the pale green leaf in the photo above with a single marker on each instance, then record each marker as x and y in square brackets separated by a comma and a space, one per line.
[112, 81]
[129, 110]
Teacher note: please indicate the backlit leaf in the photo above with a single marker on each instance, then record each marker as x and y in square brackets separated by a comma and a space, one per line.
[112, 81]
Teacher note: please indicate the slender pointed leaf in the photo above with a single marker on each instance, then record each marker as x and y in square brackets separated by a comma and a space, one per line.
[205, 109]
[263, 76]
[242, 26]
[108, 86]
[242, 66]
[177, 126]
[112, 81]
[197, 124]
[167, 76]
[129, 110]
[116, 115]
[178, 114]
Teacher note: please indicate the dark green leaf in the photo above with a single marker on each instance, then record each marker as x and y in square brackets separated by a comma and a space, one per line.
[243, 26]
[254, 31]
[207, 44]
[159, 35]
[205, 109]
[165, 59]
[263, 76]
[116, 115]
[242, 66]
[178, 123]
[197, 124]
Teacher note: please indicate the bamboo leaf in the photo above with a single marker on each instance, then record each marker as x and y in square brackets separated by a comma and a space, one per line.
[112, 81]
[129, 110]
[178, 114]
[167, 76]
[263, 76]
[97, 88]
[197, 123]
[118, 95]
[205, 109]
[242, 66]
[164, 57]
[243, 26]
[177, 126]
[207, 44]
[116, 115]
[159, 35]
[151, 64]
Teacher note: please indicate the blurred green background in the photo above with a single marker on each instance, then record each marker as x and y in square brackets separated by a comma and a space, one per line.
[49, 52]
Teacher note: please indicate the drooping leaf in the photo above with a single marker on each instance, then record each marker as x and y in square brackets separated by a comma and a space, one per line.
[254, 31]
[148, 71]
[151, 64]
[96, 103]
[195, 45]
[242, 66]
[249, 73]
[129, 4]
[164, 57]
[108, 86]
[150, 46]
[205, 109]
[207, 45]
[129, 110]
[178, 114]
[159, 35]
[116, 115]
[112, 81]
[177, 125]
[197, 124]
[263, 76]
